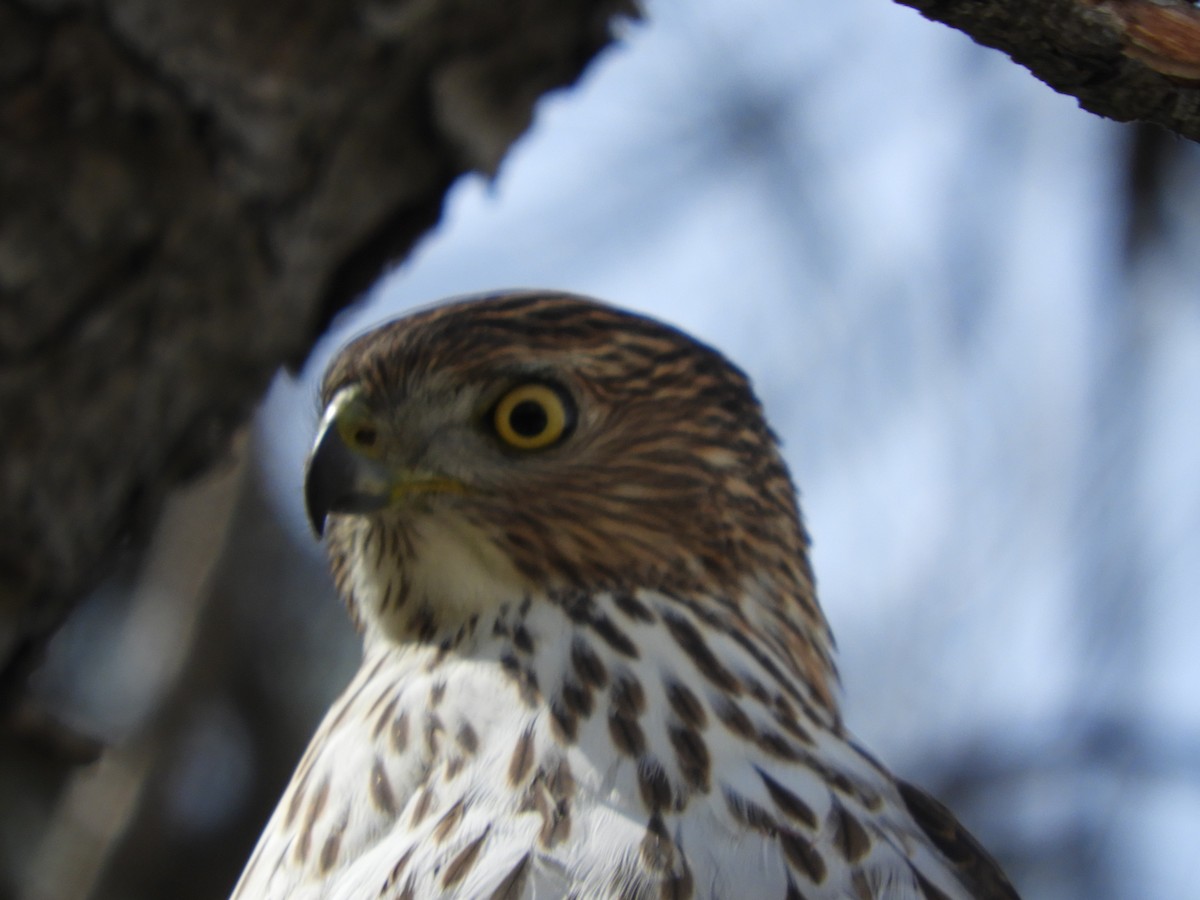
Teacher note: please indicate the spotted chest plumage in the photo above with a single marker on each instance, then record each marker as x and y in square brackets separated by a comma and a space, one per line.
[594, 663]
[576, 747]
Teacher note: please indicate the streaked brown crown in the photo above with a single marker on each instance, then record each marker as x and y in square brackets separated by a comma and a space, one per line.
[670, 479]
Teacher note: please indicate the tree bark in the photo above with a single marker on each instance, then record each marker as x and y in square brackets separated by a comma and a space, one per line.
[1125, 59]
[188, 193]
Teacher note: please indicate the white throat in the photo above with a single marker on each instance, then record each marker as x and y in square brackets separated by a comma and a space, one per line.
[446, 569]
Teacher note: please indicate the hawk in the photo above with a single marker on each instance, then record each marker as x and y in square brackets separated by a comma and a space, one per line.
[594, 665]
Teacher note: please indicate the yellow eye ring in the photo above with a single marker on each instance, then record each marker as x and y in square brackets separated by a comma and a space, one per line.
[531, 417]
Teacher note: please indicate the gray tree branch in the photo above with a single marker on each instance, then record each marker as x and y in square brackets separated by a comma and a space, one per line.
[1125, 59]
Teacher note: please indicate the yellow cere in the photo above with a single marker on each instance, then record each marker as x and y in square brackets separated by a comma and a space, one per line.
[414, 485]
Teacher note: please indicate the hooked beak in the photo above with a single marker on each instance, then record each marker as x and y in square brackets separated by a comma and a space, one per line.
[345, 480]
[338, 480]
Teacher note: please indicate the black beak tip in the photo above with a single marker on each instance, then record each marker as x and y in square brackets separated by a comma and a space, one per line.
[313, 503]
[324, 477]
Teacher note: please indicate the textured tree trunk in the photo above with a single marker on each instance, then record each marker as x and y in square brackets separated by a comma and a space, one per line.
[188, 192]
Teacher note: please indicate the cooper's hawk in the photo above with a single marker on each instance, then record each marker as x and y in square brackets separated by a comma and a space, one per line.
[594, 664]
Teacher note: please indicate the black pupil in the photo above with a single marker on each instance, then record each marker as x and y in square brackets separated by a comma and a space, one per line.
[528, 419]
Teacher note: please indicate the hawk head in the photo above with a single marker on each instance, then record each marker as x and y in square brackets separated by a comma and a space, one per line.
[519, 445]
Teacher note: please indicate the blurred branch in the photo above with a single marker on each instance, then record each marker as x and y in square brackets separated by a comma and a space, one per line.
[33, 725]
[157, 638]
[1064, 788]
[190, 193]
[1124, 59]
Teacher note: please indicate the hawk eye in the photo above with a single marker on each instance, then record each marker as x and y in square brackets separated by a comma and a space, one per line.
[531, 416]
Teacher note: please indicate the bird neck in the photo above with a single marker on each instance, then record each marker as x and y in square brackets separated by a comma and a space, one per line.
[446, 588]
[554, 645]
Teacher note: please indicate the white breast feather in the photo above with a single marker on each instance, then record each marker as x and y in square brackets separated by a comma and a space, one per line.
[608, 819]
